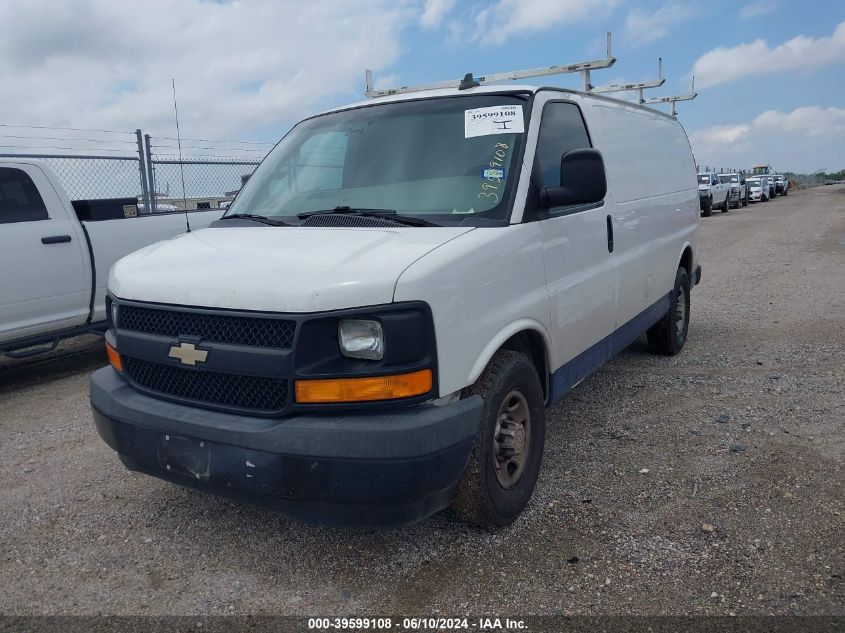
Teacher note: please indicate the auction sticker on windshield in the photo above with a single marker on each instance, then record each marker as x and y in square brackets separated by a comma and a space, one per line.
[503, 119]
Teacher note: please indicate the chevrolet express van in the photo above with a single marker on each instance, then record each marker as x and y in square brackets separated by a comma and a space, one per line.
[374, 330]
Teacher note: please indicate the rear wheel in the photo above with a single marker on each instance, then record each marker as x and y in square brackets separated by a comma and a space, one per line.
[669, 334]
[505, 461]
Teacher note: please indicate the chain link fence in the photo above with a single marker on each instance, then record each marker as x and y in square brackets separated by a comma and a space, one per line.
[163, 173]
[200, 173]
[91, 177]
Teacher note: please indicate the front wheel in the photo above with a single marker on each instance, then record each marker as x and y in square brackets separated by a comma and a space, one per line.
[726, 205]
[707, 211]
[669, 334]
[505, 461]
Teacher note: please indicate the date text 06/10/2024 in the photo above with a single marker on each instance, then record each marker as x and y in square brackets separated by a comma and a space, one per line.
[416, 624]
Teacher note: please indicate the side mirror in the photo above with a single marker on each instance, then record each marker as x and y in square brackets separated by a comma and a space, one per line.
[582, 180]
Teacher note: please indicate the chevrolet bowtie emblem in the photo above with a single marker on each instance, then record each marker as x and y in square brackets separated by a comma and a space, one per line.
[188, 353]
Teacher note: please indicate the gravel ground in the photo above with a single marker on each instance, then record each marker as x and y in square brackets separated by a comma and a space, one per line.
[708, 483]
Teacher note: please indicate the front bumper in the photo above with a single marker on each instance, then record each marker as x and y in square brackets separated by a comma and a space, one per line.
[363, 470]
[755, 196]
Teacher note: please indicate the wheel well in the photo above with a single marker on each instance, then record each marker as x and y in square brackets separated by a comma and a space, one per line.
[531, 344]
[686, 260]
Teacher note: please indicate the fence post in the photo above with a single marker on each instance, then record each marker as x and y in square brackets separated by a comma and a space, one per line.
[150, 174]
[142, 168]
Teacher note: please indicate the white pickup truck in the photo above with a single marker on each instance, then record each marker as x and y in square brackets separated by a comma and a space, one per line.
[55, 265]
[712, 192]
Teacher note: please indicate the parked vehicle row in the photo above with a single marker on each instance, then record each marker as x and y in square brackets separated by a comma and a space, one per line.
[732, 190]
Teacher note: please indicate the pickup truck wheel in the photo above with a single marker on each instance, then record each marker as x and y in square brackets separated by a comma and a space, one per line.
[726, 205]
[669, 334]
[707, 211]
[505, 461]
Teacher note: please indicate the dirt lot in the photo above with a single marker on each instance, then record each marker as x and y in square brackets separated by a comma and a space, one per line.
[708, 483]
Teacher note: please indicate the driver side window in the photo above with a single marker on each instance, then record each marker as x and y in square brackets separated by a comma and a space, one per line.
[562, 129]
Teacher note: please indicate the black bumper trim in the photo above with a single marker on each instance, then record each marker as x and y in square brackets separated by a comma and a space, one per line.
[379, 470]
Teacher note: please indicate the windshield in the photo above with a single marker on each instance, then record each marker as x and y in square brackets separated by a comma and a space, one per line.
[754, 182]
[442, 159]
[728, 178]
[703, 180]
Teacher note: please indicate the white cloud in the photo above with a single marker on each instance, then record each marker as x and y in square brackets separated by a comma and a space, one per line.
[722, 65]
[506, 18]
[239, 67]
[434, 11]
[802, 140]
[642, 27]
[761, 7]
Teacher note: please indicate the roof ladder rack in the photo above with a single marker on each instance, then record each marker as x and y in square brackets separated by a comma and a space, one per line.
[654, 83]
[673, 100]
[470, 81]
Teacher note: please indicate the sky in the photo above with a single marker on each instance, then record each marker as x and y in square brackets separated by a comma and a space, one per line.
[770, 74]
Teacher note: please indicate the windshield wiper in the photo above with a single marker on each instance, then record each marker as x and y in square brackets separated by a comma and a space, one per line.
[387, 214]
[254, 217]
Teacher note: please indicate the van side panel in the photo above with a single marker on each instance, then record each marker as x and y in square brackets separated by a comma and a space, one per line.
[652, 196]
[478, 286]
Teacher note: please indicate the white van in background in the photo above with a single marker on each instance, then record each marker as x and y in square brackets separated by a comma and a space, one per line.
[373, 330]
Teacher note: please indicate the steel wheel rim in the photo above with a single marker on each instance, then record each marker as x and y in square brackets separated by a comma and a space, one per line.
[680, 312]
[512, 439]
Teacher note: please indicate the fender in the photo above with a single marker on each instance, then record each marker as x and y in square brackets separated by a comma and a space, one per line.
[503, 335]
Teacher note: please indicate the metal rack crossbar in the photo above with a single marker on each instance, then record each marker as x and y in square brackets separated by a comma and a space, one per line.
[640, 87]
[469, 81]
[674, 99]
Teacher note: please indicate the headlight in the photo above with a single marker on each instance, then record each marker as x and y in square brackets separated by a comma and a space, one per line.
[361, 339]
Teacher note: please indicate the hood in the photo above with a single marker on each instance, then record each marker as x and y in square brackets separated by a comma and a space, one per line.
[276, 269]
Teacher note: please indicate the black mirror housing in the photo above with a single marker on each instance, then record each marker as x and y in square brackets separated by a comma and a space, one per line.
[582, 179]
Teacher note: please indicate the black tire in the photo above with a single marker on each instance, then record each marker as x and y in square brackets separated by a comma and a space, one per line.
[707, 211]
[745, 201]
[726, 205]
[665, 337]
[786, 192]
[480, 498]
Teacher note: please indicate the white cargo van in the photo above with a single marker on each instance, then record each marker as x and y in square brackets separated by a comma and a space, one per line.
[372, 332]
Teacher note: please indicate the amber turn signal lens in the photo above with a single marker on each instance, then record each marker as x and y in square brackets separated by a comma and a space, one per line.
[114, 358]
[363, 389]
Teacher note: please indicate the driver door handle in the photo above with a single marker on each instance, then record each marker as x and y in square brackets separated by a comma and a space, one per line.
[55, 239]
[609, 234]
